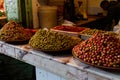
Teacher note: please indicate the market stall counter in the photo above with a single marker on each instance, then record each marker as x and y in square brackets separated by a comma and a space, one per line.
[56, 67]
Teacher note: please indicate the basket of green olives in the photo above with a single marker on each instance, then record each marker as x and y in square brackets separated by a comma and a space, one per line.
[46, 40]
[90, 32]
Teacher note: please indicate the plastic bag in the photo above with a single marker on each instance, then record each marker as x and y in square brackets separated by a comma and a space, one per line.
[116, 28]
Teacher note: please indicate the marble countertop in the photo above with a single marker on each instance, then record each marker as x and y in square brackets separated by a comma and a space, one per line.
[63, 65]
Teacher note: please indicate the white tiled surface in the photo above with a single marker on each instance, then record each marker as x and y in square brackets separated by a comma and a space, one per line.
[12, 9]
[44, 75]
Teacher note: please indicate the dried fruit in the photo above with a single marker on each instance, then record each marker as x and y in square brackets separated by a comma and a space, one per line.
[12, 31]
[102, 49]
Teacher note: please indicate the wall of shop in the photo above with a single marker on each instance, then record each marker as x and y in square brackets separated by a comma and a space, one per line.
[94, 7]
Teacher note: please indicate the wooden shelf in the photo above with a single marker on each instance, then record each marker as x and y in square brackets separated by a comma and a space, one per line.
[89, 20]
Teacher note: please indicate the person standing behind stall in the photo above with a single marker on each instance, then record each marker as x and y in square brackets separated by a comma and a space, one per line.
[69, 10]
[113, 13]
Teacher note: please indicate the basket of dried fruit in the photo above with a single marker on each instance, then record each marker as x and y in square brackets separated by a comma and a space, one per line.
[101, 50]
[49, 41]
[12, 32]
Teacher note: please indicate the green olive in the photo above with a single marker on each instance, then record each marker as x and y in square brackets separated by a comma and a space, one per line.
[48, 40]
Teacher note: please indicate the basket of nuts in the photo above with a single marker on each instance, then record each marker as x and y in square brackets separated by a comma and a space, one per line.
[101, 50]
